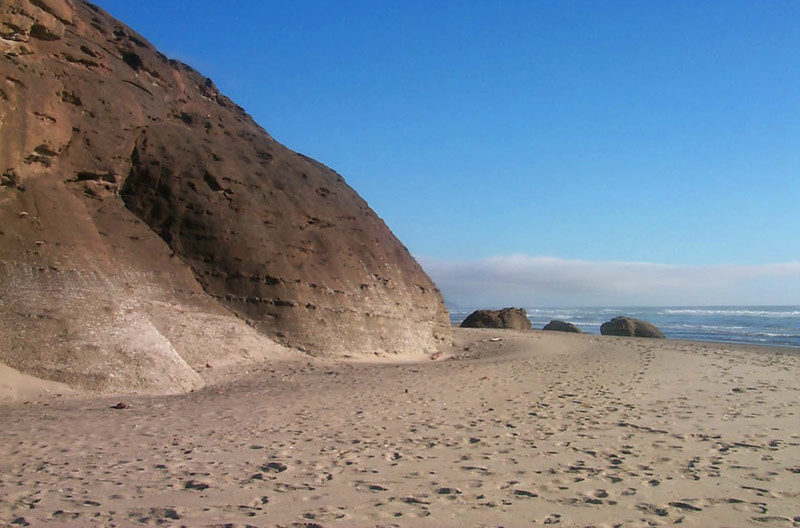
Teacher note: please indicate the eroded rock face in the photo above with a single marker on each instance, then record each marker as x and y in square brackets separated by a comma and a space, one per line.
[513, 318]
[626, 326]
[562, 326]
[37, 19]
[136, 199]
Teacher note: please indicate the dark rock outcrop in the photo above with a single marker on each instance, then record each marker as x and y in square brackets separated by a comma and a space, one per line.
[626, 326]
[149, 225]
[513, 318]
[562, 326]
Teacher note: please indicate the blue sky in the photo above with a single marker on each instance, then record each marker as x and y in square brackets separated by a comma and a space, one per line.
[557, 136]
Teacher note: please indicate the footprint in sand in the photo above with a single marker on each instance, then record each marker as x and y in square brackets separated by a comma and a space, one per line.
[685, 506]
[774, 520]
[154, 516]
[274, 467]
[652, 509]
[448, 491]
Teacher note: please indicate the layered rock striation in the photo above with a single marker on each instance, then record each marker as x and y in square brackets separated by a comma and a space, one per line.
[148, 224]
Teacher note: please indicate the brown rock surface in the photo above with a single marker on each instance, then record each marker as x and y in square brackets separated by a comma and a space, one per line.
[562, 326]
[149, 225]
[513, 318]
[629, 327]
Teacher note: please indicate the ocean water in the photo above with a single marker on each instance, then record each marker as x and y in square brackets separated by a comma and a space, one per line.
[762, 325]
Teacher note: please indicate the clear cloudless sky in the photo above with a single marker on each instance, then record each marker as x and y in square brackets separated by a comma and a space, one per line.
[636, 131]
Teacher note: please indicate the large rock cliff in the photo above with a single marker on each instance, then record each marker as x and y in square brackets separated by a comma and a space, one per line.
[149, 225]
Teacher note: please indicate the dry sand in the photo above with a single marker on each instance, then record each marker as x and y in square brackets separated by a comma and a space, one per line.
[538, 428]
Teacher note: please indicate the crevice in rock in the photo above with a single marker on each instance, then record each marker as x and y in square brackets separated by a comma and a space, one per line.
[132, 59]
[41, 32]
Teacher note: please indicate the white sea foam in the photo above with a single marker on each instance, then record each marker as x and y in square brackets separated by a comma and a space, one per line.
[732, 312]
[773, 325]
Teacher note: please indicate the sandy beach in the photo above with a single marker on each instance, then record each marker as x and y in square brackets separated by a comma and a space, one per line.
[534, 428]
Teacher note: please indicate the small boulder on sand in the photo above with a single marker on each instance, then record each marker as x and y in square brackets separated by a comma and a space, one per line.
[513, 318]
[562, 326]
[626, 326]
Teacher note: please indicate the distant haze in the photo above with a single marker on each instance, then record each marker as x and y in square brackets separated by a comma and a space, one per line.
[546, 281]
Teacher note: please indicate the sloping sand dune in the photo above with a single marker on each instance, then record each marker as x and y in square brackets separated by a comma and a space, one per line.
[537, 428]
